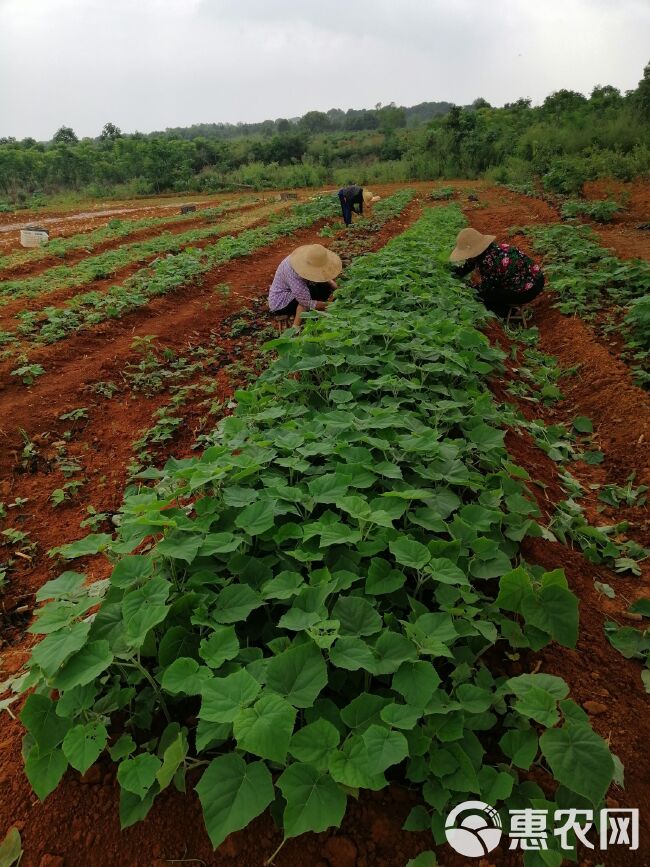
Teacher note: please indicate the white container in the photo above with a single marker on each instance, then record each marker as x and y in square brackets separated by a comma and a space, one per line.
[34, 236]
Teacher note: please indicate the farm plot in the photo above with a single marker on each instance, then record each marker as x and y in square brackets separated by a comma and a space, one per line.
[195, 359]
[165, 275]
[346, 530]
[111, 262]
[171, 377]
[392, 493]
[113, 233]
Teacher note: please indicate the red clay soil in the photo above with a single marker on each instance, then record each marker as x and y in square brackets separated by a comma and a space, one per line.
[175, 227]
[58, 297]
[624, 235]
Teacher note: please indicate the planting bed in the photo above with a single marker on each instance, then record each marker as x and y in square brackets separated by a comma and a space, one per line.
[319, 583]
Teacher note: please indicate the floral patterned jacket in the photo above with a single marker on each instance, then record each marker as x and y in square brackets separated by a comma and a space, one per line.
[504, 267]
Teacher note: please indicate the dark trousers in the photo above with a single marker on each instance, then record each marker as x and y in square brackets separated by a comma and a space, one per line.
[500, 301]
[346, 208]
[318, 292]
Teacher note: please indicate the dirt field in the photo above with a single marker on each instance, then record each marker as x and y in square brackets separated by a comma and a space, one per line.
[78, 824]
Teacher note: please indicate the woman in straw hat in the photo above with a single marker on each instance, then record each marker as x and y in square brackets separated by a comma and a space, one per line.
[352, 199]
[304, 281]
[508, 278]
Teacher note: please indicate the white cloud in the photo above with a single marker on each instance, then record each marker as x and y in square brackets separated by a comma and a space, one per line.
[148, 64]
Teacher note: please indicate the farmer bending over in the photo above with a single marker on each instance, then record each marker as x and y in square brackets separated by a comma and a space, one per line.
[304, 281]
[352, 199]
[508, 278]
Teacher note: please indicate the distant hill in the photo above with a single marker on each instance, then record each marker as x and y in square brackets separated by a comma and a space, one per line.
[315, 121]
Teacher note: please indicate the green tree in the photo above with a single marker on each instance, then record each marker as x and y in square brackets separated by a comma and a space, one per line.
[110, 132]
[315, 121]
[65, 135]
[391, 118]
[643, 94]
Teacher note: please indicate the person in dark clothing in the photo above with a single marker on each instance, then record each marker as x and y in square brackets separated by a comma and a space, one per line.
[508, 278]
[352, 199]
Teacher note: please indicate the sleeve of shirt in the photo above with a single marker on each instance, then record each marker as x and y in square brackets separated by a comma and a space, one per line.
[300, 291]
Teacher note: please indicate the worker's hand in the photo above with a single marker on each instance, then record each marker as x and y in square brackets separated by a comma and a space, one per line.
[321, 305]
[333, 285]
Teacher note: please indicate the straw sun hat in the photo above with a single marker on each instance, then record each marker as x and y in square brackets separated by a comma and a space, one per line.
[370, 198]
[316, 263]
[469, 244]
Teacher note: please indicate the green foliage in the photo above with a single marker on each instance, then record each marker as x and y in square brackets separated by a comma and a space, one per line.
[11, 849]
[28, 373]
[65, 493]
[320, 589]
[442, 194]
[590, 281]
[570, 525]
[633, 643]
[566, 141]
[619, 495]
[601, 211]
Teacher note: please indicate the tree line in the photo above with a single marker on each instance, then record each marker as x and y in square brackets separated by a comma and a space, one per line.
[565, 140]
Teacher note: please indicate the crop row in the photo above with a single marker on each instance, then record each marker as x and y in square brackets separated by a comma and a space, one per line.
[114, 230]
[599, 287]
[107, 264]
[324, 589]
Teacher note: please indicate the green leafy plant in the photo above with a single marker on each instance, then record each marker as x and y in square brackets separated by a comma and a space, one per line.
[105, 389]
[65, 493]
[601, 211]
[11, 849]
[94, 520]
[441, 194]
[28, 373]
[628, 495]
[633, 643]
[75, 414]
[597, 543]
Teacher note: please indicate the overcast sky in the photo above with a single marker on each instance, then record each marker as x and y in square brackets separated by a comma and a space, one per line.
[150, 64]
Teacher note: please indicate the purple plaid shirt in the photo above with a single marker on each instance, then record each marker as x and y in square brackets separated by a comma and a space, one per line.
[287, 286]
